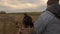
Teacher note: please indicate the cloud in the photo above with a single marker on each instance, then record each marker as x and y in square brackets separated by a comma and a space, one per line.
[12, 5]
[16, 5]
[22, 6]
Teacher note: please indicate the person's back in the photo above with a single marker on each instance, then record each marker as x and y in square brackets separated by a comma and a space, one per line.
[53, 27]
[27, 21]
[49, 21]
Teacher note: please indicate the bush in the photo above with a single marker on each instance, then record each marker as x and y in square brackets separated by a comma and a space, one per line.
[2, 12]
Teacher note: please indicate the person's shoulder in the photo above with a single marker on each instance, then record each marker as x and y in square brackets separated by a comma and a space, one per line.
[48, 13]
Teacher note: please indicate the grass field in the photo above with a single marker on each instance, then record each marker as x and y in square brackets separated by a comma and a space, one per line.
[7, 21]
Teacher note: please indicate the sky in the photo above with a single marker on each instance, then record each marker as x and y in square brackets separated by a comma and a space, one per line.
[15, 6]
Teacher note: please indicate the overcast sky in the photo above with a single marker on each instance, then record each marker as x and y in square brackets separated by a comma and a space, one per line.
[22, 5]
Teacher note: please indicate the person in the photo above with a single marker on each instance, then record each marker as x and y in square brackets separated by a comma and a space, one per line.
[49, 21]
[27, 21]
[28, 24]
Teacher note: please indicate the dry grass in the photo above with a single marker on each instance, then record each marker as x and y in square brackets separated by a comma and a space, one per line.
[9, 21]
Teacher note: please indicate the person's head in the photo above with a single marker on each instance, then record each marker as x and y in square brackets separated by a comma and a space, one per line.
[25, 14]
[51, 2]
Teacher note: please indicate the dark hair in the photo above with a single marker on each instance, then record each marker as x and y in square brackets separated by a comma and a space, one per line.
[50, 2]
[25, 13]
